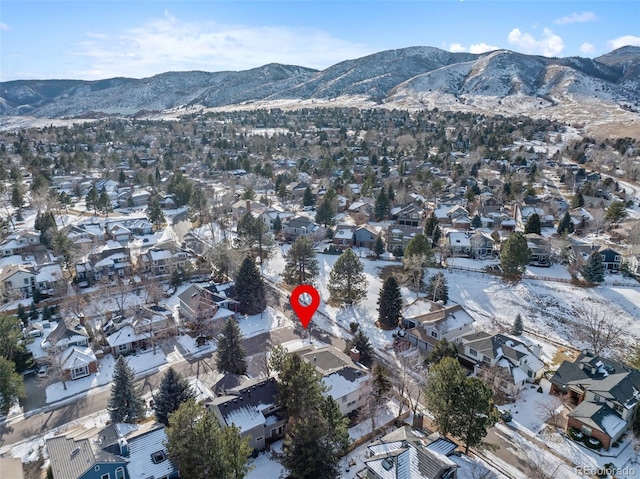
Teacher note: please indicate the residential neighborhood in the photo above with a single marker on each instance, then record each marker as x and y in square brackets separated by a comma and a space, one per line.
[134, 253]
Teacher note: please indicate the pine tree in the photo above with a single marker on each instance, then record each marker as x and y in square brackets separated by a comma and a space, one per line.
[301, 264]
[47, 314]
[22, 314]
[437, 289]
[277, 225]
[418, 246]
[326, 213]
[430, 225]
[173, 391]
[476, 221]
[381, 207]
[307, 198]
[378, 246]
[360, 341]
[577, 201]
[231, 356]
[126, 403]
[389, 304]
[347, 281]
[593, 271]
[565, 225]
[11, 385]
[442, 349]
[437, 236]
[616, 211]
[533, 224]
[201, 449]
[518, 327]
[91, 200]
[249, 287]
[514, 255]
[461, 406]
[104, 203]
[34, 314]
[155, 213]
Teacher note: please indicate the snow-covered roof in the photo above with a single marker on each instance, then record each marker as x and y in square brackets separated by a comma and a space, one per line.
[124, 335]
[612, 424]
[76, 357]
[141, 451]
[245, 418]
[344, 382]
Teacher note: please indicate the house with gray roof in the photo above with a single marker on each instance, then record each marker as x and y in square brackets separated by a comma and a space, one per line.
[119, 451]
[506, 361]
[404, 454]
[606, 394]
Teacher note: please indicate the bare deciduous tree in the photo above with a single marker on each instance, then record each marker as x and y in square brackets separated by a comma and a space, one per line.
[597, 327]
[550, 410]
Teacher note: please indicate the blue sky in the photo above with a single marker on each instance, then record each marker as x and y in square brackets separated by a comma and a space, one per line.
[93, 39]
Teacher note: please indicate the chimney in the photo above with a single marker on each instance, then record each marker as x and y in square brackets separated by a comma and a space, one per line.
[354, 354]
[82, 319]
[248, 206]
[124, 447]
[418, 421]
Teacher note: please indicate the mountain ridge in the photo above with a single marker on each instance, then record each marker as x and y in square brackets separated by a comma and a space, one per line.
[501, 81]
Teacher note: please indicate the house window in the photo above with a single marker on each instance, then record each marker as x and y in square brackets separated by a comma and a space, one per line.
[81, 372]
[97, 468]
[586, 430]
[120, 473]
[434, 334]
[473, 352]
[158, 457]
[616, 258]
[122, 347]
[596, 398]
[26, 280]
[105, 476]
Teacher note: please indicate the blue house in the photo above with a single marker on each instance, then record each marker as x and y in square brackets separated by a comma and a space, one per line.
[120, 451]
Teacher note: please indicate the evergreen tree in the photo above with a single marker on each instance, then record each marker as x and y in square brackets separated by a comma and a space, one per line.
[437, 236]
[277, 225]
[231, 356]
[91, 200]
[437, 289]
[391, 194]
[514, 255]
[11, 385]
[593, 270]
[518, 327]
[126, 403]
[249, 287]
[173, 391]
[378, 246]
[476, 222]
[577, 201]
[430, 225]
[22, 314]
[389, 304]
[301, 264]
[17, 195]
[155, 213]
[47, 314]
[565, 225]
[307, 198]
[326, 213]
[461, 406]
[316, 442]
[347, 281]
[201, 449]
[442, 349]
[418, 246]
[104, 203]
[34, 314]
[533, 224]
[381, 384]
[254, 237]
[381, 207]
[616, 211]
[360, 341]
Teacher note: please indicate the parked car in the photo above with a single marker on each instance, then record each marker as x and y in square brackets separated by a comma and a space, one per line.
[43, 372]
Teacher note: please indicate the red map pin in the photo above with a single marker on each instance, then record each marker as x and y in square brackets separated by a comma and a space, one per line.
[305, 311]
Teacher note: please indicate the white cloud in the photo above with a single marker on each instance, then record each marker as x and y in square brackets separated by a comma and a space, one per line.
[4, 26]
[482, 48]
[587, 48]
[170, 44]
[474, 48]
[577, 18]
[624, 41]
[549, 45]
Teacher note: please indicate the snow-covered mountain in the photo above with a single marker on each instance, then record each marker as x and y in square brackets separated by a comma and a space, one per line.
[501, 81]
